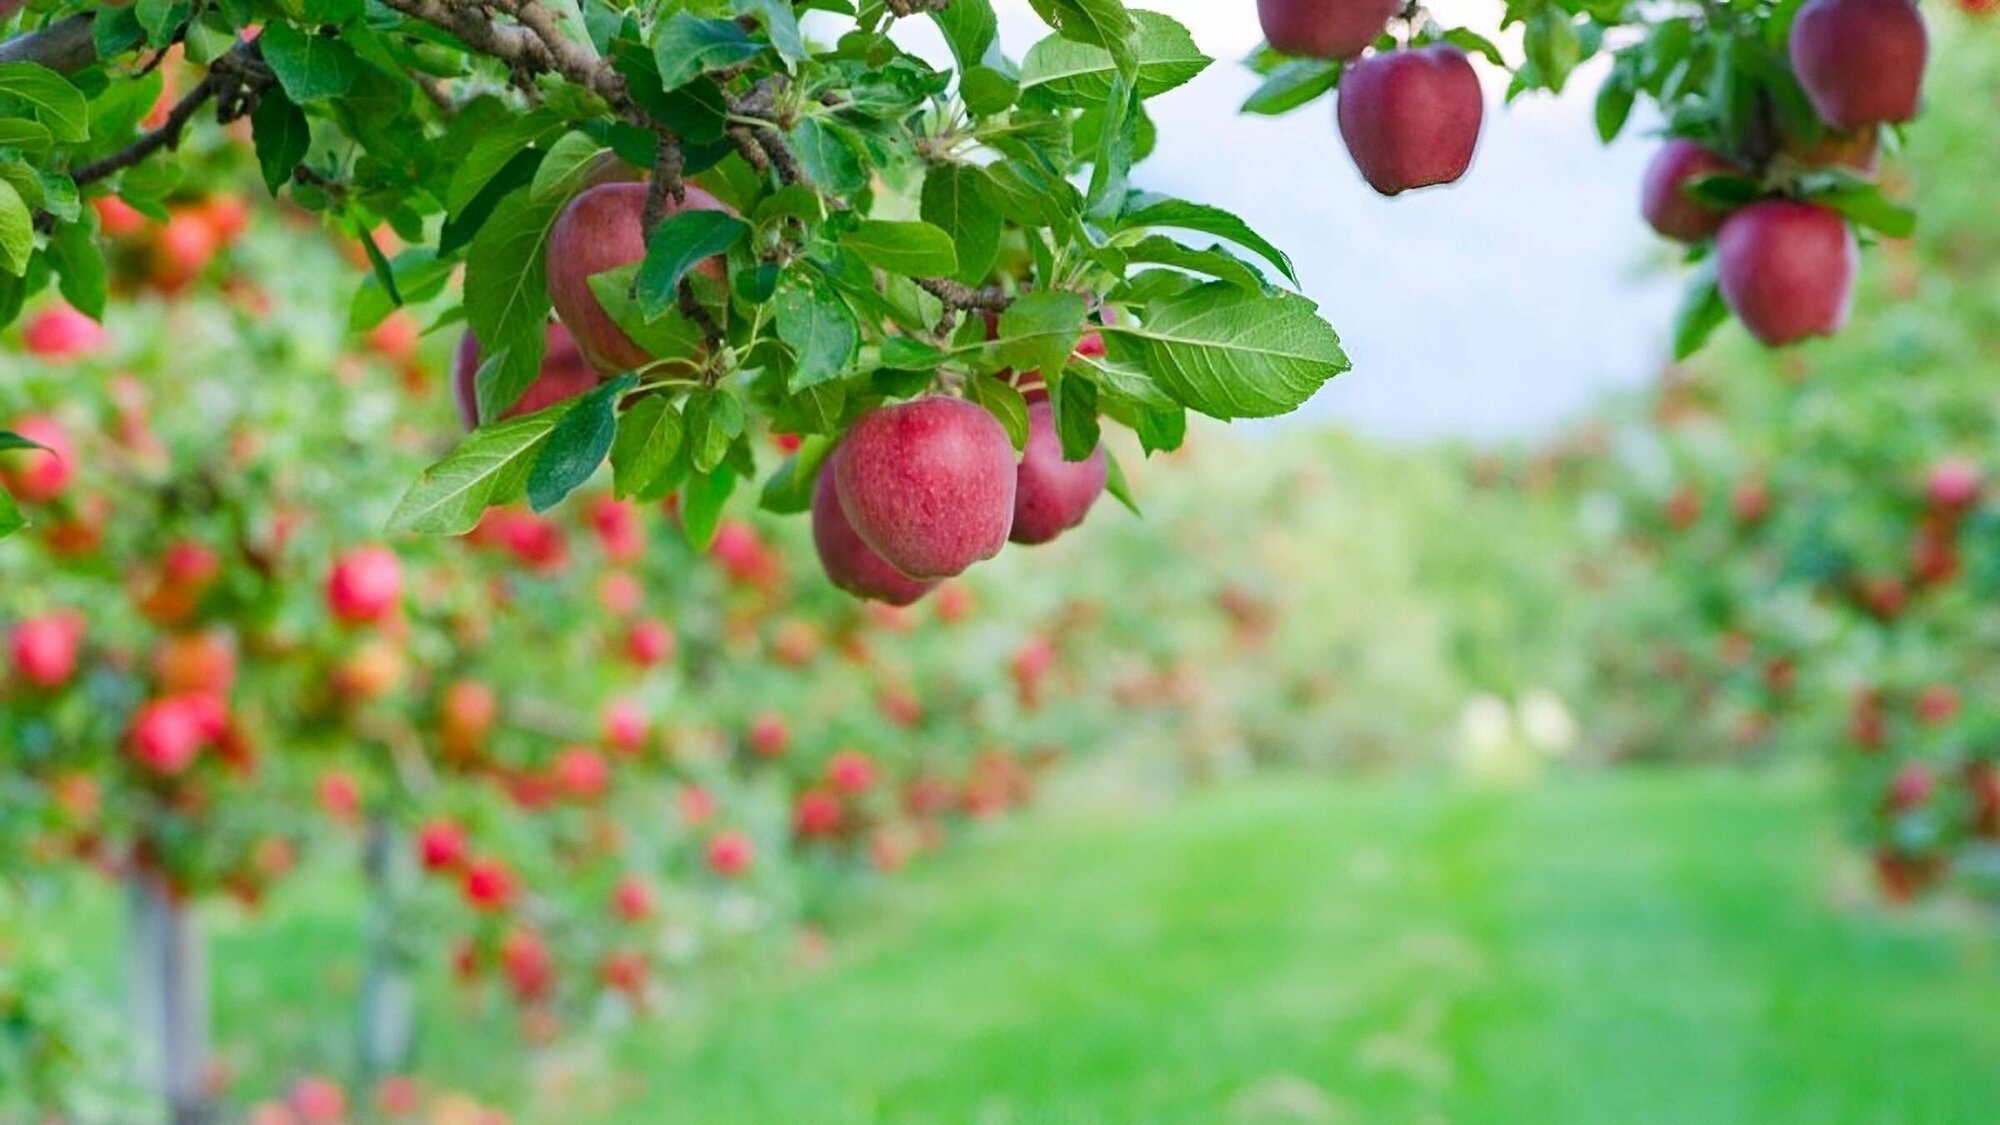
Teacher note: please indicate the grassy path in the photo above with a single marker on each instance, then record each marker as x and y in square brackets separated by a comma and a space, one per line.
[1641, 948]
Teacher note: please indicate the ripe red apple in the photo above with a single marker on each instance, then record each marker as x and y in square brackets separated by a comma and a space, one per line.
[1787, 270]
[190, 565]
[1411, 118]
[564, 376]
[849, 563]
[730, 853]
[182, 250]
[318, 1101]
[1325, 29]
[488, 885]
[697, 805]
[1052, 495]
[441, 845]
[339, 796]
[117, 218]
[365, 585]
[624, 726]
[525, 959]
[1937, 705]
[61, 332]
[624, 971]
[929, 485]
[167, 734]
[618, 532]
[620, 593]
[816, 815]
[36, 476]
[45, 649]
[397, 337]
[632, 899]
[1860, 61]
[649, 642]
[1910, 789]
[583, 773]
[770, 735]
[1664, 199]
[600, 230]
[851, 772]
[1954, 485]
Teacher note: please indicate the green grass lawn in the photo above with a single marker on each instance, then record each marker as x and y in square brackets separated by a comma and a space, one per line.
[1639, 948]
[1657, 948]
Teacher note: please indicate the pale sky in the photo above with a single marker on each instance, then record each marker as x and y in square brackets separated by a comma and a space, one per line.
[1492, 308]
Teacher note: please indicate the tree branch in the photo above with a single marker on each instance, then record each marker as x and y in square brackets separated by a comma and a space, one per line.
[959, 297]
[65, 46]
[235, 80]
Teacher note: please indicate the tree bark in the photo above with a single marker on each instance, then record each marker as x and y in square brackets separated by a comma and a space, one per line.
[169, 983]
[388, 995]
[65, 46]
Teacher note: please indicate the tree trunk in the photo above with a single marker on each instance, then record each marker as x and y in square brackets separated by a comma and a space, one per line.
[169, 981]
[388, 995]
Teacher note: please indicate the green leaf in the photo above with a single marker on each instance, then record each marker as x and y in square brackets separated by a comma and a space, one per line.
[1005, 403]
[987, 91]
[11, 441]
[31, 137]
[1040, 330]
[17, 231]
[1111, 167]
[84, 282]
[161, 18]
[1701, 312]
[506, 284]
[492, 151]
[1074, 402]
[1101, 23]
[906, 354]
[1116, 484]
[909, 249]
[506, 374]
[702, 501]
[115, 30]
[957, 199]
[970, 29]
[1214, 261]
[790, 489]
[1553, 46]
[781, 27]
[1079, 75]
[649, 438]
[671, 336]
[1614, 103]
[1175, 214]
[684, 46]
[564, 169]
[282, 136]
[681, 242]
[11, 519]
[827, 156]
[309, 66]
[1473, 43]
[577, 444]
[1295, 83]
[1868, 207]
[490, 467]
[714, 419]
[57, 103]
[819, 328]
[1231, 353]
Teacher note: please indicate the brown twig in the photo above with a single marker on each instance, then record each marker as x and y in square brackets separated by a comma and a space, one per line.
[960, 297]
[234, 81]
[668, 162]
[65, 46]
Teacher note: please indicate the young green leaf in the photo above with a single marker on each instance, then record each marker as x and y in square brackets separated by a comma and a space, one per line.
[577, 444]
[1080, 74]
[57, 103]
[957, 199]
[684, 46]
[1040, 330]
[909, 249]
[1005, 403]
[1231, 353]
[309, 66]
[490, 467]
[1176, 214]
[819, 328]
[1701, 312]
[649, 437]
[17, 231]
[1295, 83]
[681, 242]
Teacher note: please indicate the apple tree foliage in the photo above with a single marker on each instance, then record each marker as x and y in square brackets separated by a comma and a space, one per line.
[877, 201]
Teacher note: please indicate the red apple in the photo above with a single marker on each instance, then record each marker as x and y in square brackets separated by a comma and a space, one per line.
[36, 476]
[730, 853]
[525, 959]
[849, 563]
[61, 332]
[929, 485]
[624, 726]
[851, 772]
[489, 886]
[1787, 270]
[770, 735]
[600, 231]
[564, 376]
[632, 899]
[166, 735]
[1861, 61]
[649, 642]
[1325, 29]
[816, 814]
[441, 845]
[1664, 199]
[45, 649]
[365, 585]
[583, 772]
[1411, 118]
[1955, 485]
[1052, 495]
